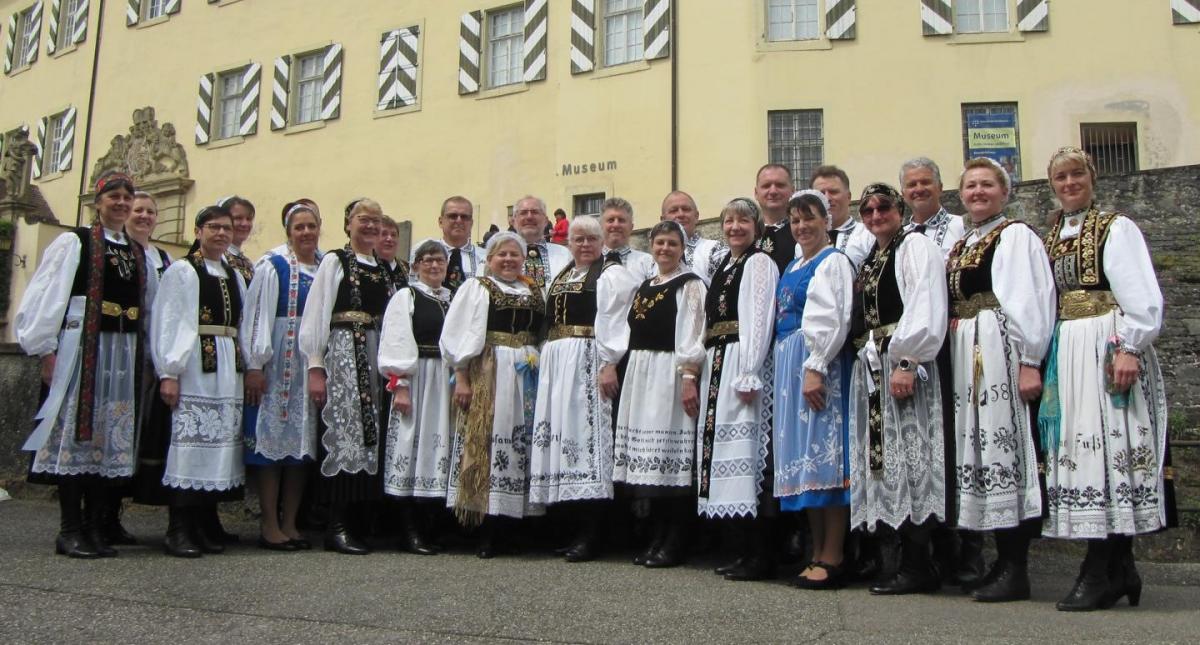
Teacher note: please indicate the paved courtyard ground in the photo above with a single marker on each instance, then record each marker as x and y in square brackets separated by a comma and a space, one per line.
[250, 595]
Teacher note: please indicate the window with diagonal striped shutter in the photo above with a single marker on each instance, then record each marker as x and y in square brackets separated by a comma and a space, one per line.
[399, 68]
[946, 17]
[227, 104]
[307, 87]
[24, 35]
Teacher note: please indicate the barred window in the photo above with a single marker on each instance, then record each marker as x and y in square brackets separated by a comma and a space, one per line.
[796, 139]
[792, 20]
[1113, 146]
[589, 204]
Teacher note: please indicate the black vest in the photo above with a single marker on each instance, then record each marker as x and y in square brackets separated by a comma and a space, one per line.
[721, 303]
[574, 303]
[428, 316]
[876, 294]
[374, 287]
[1078, 263]
[970, 270]
[777, 241]
[120, 279]
[652, 315]
[513, 314]
[220, 300]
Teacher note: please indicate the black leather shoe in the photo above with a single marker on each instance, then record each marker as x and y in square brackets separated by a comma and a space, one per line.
[907, 582]
[752, 568]
[732, 565]
[75, 545]
[286, 545]
[1010, 583]
[342, 542]
[414, 542]
[835, 578]
[97, 538]
[301, 544]
[1088, 594]
[582, 552]
[207, 542]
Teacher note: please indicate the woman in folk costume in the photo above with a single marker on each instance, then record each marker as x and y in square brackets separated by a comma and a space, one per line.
[812, 387]
[1002, 306]
[571, 461]
[734, 430]
[199, 364]
[339, 334]
[1103, 417]
[280, 421]
[654, 449]
[389, 241]
[495, 322]
[416, 465]
[897, 457]
[81, 313]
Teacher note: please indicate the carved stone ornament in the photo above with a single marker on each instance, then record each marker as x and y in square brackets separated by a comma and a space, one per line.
[15, 165]
[149, 153]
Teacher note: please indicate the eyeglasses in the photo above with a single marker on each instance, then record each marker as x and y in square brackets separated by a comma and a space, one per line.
[367, 219]
[218, 228]
[529, 211]
[872, 210]
[432, 259]
[457, 216]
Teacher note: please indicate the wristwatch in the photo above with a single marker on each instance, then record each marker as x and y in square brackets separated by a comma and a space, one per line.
[906, 365]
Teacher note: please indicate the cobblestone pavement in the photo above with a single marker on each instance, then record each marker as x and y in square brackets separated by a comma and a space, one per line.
[250, 595]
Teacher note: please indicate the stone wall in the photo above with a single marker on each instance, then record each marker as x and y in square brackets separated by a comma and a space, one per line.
[20, 379]
[1166, 205]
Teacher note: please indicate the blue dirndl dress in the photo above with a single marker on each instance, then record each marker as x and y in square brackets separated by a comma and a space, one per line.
[812, 466]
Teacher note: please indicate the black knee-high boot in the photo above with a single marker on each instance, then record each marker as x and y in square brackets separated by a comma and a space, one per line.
[916, 573]
[414, 540]
[589, 518]
[673, 514]
[759, 560]
[1092, 589]
[95, 507]
[737, 537]
[114, 532]
[1009, 579]
[1122, 572]
[969, 570]
[72, 541]
[180, 529]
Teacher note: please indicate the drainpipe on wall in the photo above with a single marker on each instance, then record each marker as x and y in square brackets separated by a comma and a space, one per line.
[87, 132]
[674, 97]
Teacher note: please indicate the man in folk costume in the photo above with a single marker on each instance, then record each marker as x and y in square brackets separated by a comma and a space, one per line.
[82, 315]
[464, 259]
[849, 235]
[616, 223]
[700, 254]
[772, 190]
[199, 362]
[543, 261]
[921, 185]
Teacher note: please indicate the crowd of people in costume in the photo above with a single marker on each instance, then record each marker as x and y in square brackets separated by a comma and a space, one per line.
[811, 378]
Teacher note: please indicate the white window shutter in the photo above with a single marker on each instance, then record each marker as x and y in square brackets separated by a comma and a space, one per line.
[1185, 12]
[66, 145]
[248, 114]
[279, 92]
[204, 105]
[841, 17]
[52, 42]
[937, 17]
[40, 144]
[469, 51]
[10, 43]
[583, 36]
[656, 28]
[537, 24]
[1033, 15]
[133, 12]
[331, 84]
[398, 63]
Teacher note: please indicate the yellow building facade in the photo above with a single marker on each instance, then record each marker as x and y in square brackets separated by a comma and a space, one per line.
[412, 101]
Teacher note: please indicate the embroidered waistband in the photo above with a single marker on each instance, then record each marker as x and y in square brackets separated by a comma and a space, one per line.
[217, 330]
[723, 328]
[558, 332]
[880, 333]
[971, 307]
[344, 317]
[117, 311]
[1082, 303]
[505, 339]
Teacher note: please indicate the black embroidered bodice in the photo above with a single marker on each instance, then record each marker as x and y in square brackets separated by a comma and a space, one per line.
[574, 303]
[1078, 262]
[777, 241]
[652, 315]
[120, 280]
[970, 269]
[511, 313]
[374, 285]
[428, 316]
[876, 293]
[721, 303]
